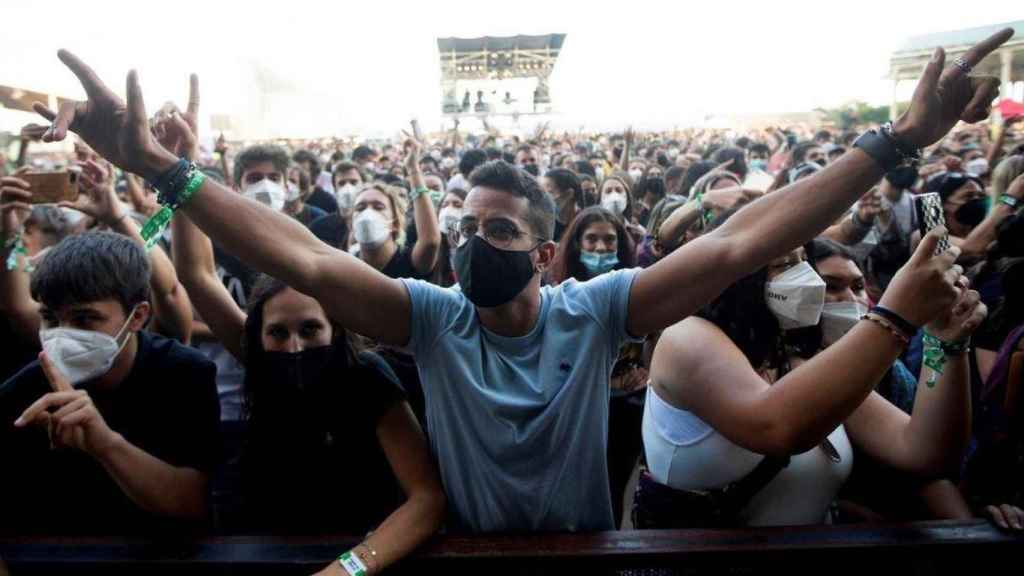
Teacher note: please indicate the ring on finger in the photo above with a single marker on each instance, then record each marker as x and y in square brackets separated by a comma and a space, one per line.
[962, 64]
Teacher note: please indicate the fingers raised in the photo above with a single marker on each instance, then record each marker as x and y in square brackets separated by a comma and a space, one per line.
[136, 105]
[978, 52]
[94, 87]
[193, 95]
[57, 380]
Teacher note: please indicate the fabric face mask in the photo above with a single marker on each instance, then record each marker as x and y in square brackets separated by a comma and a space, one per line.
[489, 276]
[597, 263]
[837, 318]
[82, 355]
[614, 203]
[972, 213]
[345, 196]
[267, 192]
[796, 296]
[371, 228]
[449, 218]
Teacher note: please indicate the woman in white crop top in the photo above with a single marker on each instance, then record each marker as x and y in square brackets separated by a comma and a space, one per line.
[745, 378]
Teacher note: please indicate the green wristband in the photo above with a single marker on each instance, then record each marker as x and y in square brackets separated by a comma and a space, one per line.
[417, 192]
[154, 228]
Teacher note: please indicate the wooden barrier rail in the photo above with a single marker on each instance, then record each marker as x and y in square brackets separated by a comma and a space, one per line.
[866, 549]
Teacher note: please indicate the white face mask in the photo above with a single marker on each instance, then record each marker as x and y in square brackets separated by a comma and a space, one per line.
[448, 218]
[267, 192]
[837, 318]
[614, 203]
[599, 172]
[978, 166]
[346, 194]
[635, 174]
[371, 228]
[796, 296]
[82, 355]
[291, 192]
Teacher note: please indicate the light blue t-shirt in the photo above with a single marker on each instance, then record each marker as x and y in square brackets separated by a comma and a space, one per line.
[519, 426]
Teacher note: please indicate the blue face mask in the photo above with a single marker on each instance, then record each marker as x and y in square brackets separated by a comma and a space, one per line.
[597, 263]
[761, 165]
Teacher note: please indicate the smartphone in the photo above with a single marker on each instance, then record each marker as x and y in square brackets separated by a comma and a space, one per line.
[929, 215]
[52, 187]
[416, 133]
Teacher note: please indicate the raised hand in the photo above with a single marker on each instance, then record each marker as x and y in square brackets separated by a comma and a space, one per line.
[870, 205]
[15, 207]
[927, 285]
[412, 158]
[76, 422]
[98, 198]
[117, 131]
[947, 94]
[962, 319]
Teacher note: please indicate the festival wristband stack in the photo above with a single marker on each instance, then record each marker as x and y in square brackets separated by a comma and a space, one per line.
[1013, 202]
[936, 353]
[355, 560]
[16, 245]
[175, 188]
[893, 322]
[417, 192]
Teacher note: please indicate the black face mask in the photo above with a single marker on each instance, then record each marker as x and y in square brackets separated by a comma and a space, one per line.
[654, 186]
[285, 384]
[972, 213]
[490, 276]
[532, 169]
[821, 162]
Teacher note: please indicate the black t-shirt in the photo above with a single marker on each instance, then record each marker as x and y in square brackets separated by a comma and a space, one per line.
[237, 277]
[16, 351]
[323, 200]
[167, 406]
[322, 470]
[331, 230]
[400, 265]
[309, 214]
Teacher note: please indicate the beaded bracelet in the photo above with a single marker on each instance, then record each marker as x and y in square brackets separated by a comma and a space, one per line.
[908, 329]
[885, 323]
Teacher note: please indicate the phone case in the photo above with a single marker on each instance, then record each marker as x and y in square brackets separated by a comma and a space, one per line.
[52, 187]
[930, 215]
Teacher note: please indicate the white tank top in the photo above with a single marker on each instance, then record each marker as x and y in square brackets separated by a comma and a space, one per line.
[684, 452]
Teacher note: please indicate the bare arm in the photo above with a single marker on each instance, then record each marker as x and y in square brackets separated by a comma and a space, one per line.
[761, 231]
[193, 259]
[422, 513]
[16, 303]
[428, 232]
[624, 161]
[155, 485]
[976, 244]
[673, 228]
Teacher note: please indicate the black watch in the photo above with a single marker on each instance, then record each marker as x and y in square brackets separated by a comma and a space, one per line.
[886, 149]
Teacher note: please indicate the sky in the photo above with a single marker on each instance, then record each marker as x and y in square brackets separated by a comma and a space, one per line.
[368, 67]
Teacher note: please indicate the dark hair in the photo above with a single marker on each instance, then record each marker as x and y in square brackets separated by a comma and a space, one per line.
[362, 152]
[470, 160]
[305, 156]
[584, 167]
[694, 173]
[565, 181]
[90, 267]
[760, 148]
[494, 153]
[51, 222]
[674, 174]
[823, 136]
[742, 313]
[822, 248]
[341, 167]
[567, 260]
[259, 154]
[743, 142]
[800, 151]
[949, 182]
[503, 176]
[265, 288]
[738, 157]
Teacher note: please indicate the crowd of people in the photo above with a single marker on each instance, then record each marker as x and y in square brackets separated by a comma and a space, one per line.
[491, 333]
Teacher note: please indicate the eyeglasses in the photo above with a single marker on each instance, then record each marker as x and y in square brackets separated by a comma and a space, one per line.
[501, 234]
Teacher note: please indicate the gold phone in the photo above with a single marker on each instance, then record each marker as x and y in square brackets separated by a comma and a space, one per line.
[52, 187]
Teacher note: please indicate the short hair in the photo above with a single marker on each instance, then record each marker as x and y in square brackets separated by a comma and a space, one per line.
[494, 153]
[259, 154]
[342, 167]
[738, 157]
[471, 159]
[303, 156]
[800, 151]
[694, 173]
[91, 267]
[507, 178]
[362, 152]
[760, 148]
[584, 167]
[565, 180]
[674, 174]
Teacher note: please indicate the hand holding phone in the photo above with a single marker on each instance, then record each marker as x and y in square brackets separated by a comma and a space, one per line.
[930, 215]
[52, 187]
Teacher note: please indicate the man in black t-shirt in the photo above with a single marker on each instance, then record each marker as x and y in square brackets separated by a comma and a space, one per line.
[113, 429]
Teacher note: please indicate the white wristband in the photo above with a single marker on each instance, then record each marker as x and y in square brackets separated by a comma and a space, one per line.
[352, 564]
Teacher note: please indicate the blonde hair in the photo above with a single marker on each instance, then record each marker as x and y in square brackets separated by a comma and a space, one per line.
[1005, 172]
[398, 207]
